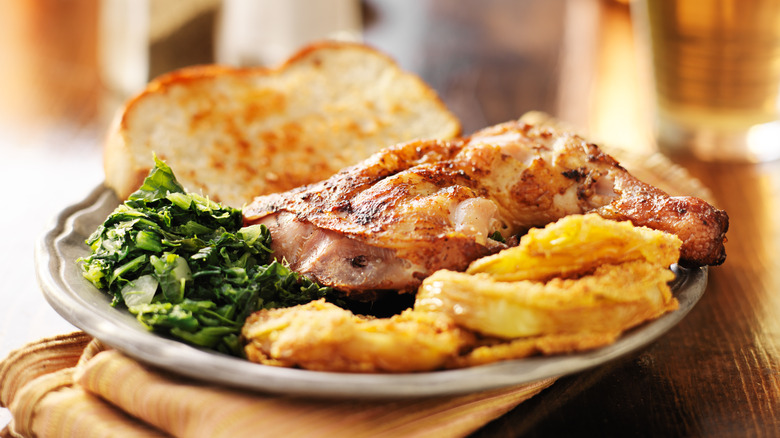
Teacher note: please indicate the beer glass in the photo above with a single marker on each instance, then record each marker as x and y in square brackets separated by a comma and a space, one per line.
[716, 73]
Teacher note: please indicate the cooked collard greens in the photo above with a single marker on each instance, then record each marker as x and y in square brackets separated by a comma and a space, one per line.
[187, 267]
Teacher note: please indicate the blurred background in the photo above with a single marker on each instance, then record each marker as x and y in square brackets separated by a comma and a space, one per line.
[76, 61]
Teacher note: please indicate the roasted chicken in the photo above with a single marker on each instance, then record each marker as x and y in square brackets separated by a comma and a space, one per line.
[414, 208]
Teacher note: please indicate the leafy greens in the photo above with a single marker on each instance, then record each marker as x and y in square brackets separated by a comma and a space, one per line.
[187, 267]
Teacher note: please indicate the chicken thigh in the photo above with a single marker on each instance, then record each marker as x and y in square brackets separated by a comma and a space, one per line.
[417, 207]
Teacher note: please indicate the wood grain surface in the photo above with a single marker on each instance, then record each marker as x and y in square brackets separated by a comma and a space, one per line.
[716, 374]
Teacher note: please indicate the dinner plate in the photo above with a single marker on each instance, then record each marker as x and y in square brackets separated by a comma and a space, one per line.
[89, 309]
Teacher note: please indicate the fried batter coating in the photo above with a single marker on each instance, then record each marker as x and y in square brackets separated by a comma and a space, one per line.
[573, 286]
[575, 245]
[491, 350]
[322, 336]
[612, 299]
[522, 304]
[524, 291]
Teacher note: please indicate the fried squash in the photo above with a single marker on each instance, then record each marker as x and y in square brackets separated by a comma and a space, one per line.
[321, 336]
[581, 274]
[575, 245]
[575, 285]
[612, 299]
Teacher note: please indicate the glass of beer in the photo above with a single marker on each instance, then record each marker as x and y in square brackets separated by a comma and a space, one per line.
[716, 72]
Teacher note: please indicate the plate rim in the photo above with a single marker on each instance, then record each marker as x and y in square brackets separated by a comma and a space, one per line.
[215, 368]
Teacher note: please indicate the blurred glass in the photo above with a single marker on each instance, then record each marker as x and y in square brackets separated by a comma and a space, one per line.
[716, 72]
[266, 32]
[141, 39]
[49, 61]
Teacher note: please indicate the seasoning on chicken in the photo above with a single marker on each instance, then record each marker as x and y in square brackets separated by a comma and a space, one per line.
[414, 208]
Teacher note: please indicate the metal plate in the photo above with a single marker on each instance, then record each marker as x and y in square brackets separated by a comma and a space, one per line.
[79, 302]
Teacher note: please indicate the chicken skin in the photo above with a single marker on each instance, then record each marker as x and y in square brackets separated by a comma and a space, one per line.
[414, 208]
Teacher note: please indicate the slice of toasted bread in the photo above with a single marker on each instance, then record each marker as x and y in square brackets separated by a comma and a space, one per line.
[233, 134]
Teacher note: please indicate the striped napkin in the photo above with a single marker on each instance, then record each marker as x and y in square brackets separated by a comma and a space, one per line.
[72, 385]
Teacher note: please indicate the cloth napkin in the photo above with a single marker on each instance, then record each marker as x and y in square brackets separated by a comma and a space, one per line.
[72, 385]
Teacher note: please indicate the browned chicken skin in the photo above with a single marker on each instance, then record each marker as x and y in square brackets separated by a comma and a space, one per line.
[395, 218]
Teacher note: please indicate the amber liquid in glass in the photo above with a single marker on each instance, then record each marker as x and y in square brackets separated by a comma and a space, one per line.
[716, 66]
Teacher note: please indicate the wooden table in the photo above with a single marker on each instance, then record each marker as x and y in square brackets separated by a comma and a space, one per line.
[716, 374]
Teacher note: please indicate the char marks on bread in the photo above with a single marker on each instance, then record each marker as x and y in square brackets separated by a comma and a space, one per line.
[233, 134]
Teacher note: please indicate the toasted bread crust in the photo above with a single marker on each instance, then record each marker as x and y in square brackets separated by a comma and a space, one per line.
[235, 133]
